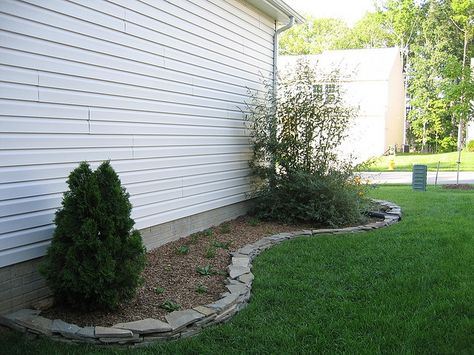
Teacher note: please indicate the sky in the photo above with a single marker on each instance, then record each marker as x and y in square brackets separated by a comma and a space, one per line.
[348, 10]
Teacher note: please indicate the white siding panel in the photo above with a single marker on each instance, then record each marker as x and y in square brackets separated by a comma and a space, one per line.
[157, 87]
[12, 124]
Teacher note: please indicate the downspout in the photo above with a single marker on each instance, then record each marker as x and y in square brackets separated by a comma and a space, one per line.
[275, 50]
[272, 121]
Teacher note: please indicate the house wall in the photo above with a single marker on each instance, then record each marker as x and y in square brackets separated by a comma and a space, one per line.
[155, 86]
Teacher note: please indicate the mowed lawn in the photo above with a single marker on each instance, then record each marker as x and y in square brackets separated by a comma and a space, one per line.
[405, 289]
[405, 162]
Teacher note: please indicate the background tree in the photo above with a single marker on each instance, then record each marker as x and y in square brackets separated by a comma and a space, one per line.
[314, 36]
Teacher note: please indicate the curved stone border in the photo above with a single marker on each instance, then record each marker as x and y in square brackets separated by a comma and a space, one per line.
[182, 324]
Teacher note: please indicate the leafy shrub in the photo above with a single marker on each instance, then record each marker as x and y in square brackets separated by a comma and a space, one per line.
[310, 198]
[298, 174]
[470, 146]
[447, 144]
[95, 258]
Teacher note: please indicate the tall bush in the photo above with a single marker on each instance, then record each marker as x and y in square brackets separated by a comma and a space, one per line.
[95, 258]
[299, 176]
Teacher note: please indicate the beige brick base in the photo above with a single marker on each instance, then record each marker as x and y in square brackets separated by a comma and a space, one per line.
[21, 285]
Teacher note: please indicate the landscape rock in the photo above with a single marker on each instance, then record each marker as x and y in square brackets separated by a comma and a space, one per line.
[236, 271]
[145, 326]
[65, 329]
[243, 261]
[180, 319]
[205, 310]
[86, 332]
[246, 278]
[106, 332]
[37, 324]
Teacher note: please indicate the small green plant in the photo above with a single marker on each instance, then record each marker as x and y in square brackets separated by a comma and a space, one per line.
[159, 290]
[201, 289]
[170, 306]
[254, 221]
[211, 252]
[470, 146]
[222, 245]
[195, 237]
[205, 270]
[182, 249]
[224, 228]
[208, 233]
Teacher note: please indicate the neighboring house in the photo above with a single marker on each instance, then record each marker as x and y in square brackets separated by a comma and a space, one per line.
[376, 86]
[155, 86]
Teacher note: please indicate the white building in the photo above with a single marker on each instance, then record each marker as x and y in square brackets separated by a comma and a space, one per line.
[156, 86]
[376, 86]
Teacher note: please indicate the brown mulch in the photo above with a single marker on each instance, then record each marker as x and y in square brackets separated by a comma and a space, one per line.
[175, 276]
[459, 187]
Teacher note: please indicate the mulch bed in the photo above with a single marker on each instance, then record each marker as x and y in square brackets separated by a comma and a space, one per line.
[459, 187]
[171, 275]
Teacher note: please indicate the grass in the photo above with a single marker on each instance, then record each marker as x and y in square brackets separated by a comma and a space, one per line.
[406, 289]
[404, 162]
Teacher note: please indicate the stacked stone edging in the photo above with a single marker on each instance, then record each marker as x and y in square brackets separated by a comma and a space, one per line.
[182, 324]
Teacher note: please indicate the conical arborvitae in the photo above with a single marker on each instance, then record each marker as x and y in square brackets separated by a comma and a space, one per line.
[95, 258]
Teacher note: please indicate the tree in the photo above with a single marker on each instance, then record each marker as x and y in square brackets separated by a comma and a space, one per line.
[314, 36]
[369, 32]
[298, 174]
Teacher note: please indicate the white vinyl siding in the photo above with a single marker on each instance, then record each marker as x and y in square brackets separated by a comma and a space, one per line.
[156, 86]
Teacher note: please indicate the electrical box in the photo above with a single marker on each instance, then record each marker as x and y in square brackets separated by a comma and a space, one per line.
[419, 176]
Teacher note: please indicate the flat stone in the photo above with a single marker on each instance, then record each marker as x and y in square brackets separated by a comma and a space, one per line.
[135, 338]
[205, 321]
[37, 324]
[236, 271]
[237, 289]
[106, 332]
[243, 261]
[224, 303]
[226, 314]
[190, 333]
[10, 319]
[262, 243]
[323, 231]
[145, 326]
[179, 319]
[205, 310]
[247, 249]
[86, 332]
[66, 329]
[246, 278]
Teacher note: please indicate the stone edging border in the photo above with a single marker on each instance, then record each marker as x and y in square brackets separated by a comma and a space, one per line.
[182, 324]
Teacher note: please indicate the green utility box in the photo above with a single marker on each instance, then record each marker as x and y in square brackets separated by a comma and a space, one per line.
[419, 176]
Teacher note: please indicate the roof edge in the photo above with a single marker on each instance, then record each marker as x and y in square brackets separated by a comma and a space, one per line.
[277, 9]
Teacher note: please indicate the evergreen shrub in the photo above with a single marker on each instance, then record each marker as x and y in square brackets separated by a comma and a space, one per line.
[95, 258]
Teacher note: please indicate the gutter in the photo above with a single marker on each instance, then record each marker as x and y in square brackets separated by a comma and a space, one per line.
[275, 50]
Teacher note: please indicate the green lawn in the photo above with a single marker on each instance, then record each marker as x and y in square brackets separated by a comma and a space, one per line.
[404, 162]
[405, 289]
